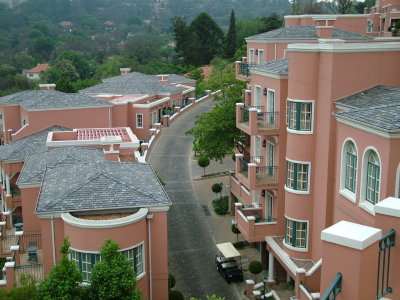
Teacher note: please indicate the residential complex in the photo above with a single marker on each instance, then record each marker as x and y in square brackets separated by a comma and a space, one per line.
[71, 165]
[316, 183]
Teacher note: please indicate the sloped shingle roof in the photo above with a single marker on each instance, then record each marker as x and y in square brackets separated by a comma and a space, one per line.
[39, 68]
[278, 66]
[34, 143]
[51, 100]
[305, 32]
[35, 164]
[101, 185]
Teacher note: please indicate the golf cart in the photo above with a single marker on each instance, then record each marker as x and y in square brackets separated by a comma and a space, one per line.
[229, 263]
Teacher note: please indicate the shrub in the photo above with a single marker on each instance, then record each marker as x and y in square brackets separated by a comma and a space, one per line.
[175, 295]
[236, 231]
[171, 281]
[240, 245]
[221, 206]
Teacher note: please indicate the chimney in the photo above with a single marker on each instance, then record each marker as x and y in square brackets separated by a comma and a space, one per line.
[324, 26]
[47, 86]
[111, 145]
[163, 78]
[125, 71]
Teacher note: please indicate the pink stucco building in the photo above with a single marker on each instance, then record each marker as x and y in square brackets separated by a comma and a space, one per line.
[316, 183]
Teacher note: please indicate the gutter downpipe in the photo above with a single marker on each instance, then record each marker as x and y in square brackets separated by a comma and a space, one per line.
[149, 217]
[53, 239]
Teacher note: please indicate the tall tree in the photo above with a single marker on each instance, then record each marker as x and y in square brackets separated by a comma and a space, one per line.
[230, 41]
[344, 5]
[62, 282]
[81, 64]
[183, 39]
[273, 21]
[208, 38]
[113, 277]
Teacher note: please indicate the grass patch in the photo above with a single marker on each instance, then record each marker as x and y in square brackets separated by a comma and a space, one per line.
[220, 205]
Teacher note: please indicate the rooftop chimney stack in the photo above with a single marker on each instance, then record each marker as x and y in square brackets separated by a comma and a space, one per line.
[47, 86]
[163, 78]
[324, 26]
[125, 71]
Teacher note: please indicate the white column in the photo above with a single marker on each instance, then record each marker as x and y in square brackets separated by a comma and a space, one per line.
[271, 267]
[8, 188]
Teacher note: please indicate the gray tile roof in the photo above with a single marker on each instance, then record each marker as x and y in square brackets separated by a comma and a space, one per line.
[375, 96]
[383, 117]
[51, 100]
[278, 66]
[34, 143]
[101, 185]
[35, 164]
[132, 83]
[174, 78]
[305, 32]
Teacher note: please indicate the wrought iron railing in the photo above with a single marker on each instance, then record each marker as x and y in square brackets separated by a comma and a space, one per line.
[268, 120]
[16, 218]
[31, 240]
[245, 115]
[334, 289]
[7, 241]
[245, 69]
[382, 284]
[266, 175]
[35, 270]
[244, 167]
[200, 96]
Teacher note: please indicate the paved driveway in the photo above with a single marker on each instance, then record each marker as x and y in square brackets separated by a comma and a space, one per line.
[191, 244]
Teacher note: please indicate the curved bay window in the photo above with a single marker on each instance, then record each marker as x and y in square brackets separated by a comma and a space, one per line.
[296, 233]
[300, 116]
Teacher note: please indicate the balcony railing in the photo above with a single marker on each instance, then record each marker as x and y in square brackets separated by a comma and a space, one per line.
[334, 289]
[385, 244]
[244, 167]
[245, 69]
[266, 175]
[267, 120]
[34, 270]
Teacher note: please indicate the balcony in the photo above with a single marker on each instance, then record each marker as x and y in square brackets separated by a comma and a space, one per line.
[243, 71]
[239, 191]
[253, 121]
[253, 176]
[252, 225]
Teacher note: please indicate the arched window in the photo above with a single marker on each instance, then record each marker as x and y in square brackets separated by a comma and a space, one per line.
[369, 26]
[351, 167]
[373, 178]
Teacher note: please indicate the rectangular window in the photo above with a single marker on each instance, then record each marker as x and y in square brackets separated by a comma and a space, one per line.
[373, 175]
[135, 256]
[260, 57]
[153, 117]
[257, 97]
[139, 120]
[257, 148]
[296, 233]
[300, 115]
[297, 176]
[251, 60]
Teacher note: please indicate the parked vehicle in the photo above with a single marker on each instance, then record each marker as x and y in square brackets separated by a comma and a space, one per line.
[228, 262]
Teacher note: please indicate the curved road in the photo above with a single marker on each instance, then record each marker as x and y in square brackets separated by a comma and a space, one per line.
[191, 246]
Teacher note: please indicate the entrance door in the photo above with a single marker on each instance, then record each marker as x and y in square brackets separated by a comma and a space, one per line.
[271, 106]
[270, 158]
[268, 207]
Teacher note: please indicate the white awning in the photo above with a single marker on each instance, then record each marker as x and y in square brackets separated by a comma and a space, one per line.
[228, 250]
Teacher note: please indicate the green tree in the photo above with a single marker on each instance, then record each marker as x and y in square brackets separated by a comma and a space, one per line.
[65, 86]
[108, 69]
[212, 297]
[208, 37]
[230, 41]
[216, 188]
[344, 6]
[62, 70]
[81, 64]
[236, 231]
[175, 295]
[203, 162]
[273, 21]
[184, 39]
[27, 289]
[63, 280]
[44, 46]
[255, 268]
[113, 277]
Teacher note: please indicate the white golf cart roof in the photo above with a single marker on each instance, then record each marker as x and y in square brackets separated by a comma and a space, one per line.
[227, 250]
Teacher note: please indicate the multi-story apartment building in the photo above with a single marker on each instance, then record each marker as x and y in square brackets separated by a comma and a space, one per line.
[318, 168]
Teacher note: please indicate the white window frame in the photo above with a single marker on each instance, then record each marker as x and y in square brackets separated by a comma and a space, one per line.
[311, 131]
[370, 27]
[141, 275]
[348, 194]
[298, 249]
[269, 92]
[256, 97]
[256, 197]
[259, 58]
[268, 196]
[307, 191]
[364, 204]
[137, 120]
[268, 158]
[251, 55]
[257, 148]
